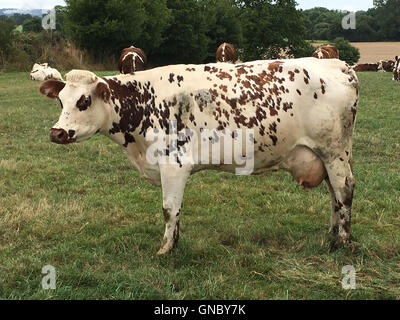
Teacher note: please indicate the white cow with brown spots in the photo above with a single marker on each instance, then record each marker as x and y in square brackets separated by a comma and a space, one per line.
[42, 72]
[299, 116]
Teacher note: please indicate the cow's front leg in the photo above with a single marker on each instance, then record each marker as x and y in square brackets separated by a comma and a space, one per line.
[173, 179]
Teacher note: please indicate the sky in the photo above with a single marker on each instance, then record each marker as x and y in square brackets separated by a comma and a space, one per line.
[350, 5]
[30, 4]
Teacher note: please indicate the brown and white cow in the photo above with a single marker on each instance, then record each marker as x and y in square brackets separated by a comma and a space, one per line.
[42, 72]
[326, 52]
[396, 70]
[299, 116]
[365, 67]
[132, 59]
[386, 65]
[226, 53]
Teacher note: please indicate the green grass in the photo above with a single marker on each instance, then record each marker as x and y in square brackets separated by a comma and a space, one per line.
[84, 210]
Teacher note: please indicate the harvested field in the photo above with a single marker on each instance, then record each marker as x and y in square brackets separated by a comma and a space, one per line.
[372, 52]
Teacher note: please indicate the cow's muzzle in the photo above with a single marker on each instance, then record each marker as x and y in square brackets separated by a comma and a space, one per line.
[60, 136]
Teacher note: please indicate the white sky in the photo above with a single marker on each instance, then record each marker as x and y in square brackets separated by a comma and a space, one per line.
[351, 5]
[30, 4]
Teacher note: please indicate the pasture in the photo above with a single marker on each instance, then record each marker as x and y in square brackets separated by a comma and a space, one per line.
[84, 210]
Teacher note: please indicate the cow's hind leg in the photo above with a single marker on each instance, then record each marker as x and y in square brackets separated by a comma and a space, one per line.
[173, 181]
[342, 184]
[334, 228]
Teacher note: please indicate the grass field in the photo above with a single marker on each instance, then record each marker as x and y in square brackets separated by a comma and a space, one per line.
[85, 211]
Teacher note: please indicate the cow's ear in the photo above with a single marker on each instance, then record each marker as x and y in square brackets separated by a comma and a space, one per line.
[103, 92]
[51, 88]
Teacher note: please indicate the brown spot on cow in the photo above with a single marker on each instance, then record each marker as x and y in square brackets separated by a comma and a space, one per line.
[224, 75]
[224, 88]
[273, 112]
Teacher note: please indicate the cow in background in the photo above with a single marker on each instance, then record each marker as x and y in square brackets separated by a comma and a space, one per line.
[386, 65]
[42, 72]
[326, 52]
[373, 67]
[132, 59]
[227, 53]
[396, 71]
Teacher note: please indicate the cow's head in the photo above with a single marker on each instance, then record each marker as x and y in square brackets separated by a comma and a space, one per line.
[85, 106]
[37, 71]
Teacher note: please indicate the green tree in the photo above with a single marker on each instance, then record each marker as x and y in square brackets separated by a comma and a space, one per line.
[271, 27]
[387, 16]
[223, 25]
[61, 13]
[376, 24]
[105, 27]
[348, 53]
[33, 25]
[186, 39]
[158, 18]
[6, 38]
[19, 18]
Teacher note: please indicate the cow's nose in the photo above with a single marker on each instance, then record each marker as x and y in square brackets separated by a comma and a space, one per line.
[71, 133]
[59, 136]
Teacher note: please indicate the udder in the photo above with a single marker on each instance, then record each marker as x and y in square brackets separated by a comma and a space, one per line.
[305, 167]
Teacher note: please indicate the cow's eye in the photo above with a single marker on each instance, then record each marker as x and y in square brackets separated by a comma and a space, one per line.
[84, 103]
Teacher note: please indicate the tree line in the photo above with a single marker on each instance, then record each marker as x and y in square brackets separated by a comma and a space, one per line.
[172, 31]
[187, 31]
[380, 23]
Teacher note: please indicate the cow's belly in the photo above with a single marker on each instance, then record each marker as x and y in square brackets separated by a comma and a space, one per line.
[301, 162]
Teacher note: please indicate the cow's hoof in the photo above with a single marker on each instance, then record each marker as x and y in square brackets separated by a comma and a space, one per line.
[338, 244]
[164, 251]
[166, 248]
[334, 230]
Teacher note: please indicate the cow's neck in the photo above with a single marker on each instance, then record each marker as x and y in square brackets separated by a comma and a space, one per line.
[133, 103]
